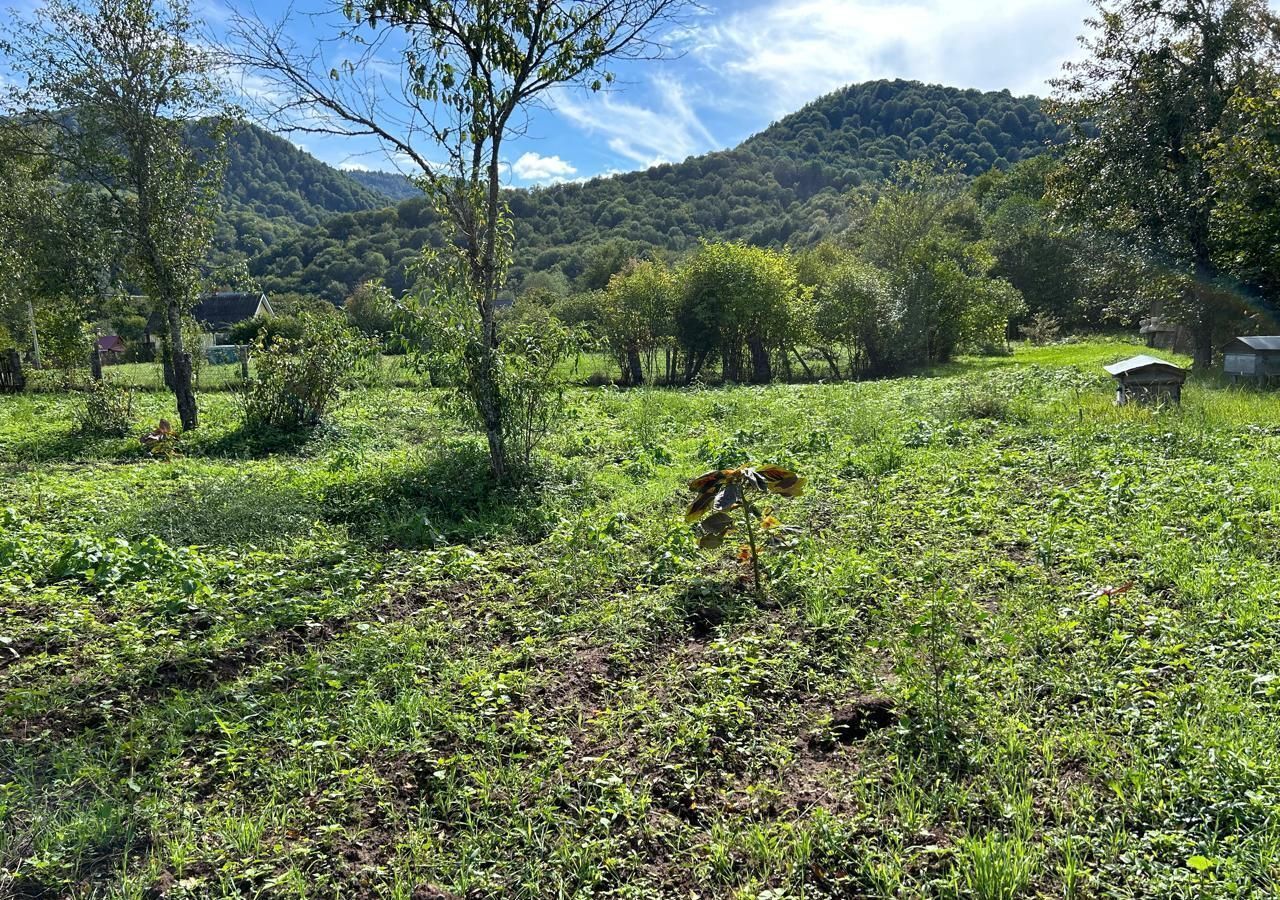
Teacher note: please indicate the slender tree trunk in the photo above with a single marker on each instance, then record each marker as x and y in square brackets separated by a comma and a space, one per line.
[35, 336]
[635, 371]
[804, 365]
[1205, 320]
[761, 366]
[180, 367]
[831, 361]
[490, 399]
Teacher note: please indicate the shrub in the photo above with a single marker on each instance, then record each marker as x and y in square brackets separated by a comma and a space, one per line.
[266, 330]
[532, 393]
[297, 379]
[1042, 328]
[107, 410]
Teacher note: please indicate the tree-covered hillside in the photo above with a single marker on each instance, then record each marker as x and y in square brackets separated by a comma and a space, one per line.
[274, 190]
[785, 185]
[392, 185]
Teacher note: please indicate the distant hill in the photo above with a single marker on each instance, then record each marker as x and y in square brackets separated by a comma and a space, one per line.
[274, 190]
[392, 185]
[785, 185]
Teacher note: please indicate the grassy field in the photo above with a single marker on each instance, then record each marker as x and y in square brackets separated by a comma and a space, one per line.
[1023, 644]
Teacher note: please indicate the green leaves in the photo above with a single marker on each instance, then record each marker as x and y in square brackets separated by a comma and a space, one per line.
[721, 491]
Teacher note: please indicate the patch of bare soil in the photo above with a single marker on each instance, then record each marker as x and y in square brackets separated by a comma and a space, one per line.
[854, 721]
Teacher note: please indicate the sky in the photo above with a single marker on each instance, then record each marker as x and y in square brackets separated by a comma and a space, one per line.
[735, 66]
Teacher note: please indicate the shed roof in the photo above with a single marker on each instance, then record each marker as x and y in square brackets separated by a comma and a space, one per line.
[111, 343]
[1136, 363]
[1259, 342]
[219, 311]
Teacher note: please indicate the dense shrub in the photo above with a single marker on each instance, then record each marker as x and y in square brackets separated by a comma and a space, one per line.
[107, 409]
[297, 379]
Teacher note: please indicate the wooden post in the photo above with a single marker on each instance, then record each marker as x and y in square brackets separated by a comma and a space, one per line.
[242, 352]
[95, 362]
[35, 337]
[11, 378]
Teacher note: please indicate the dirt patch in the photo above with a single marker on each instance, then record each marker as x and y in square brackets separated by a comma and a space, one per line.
[854, 721]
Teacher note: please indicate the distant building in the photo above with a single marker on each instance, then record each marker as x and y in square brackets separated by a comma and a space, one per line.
[1252, 357]
[111, 345]
[1147, 379]
[216, 314]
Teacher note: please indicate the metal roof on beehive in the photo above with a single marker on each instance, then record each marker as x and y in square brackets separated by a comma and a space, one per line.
[1136, 363]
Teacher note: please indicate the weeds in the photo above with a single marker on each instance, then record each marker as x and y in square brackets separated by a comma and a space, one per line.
[1030, 655]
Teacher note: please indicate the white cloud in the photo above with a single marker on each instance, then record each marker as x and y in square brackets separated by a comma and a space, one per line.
[785, 53]
[647, 136]
[534, 167]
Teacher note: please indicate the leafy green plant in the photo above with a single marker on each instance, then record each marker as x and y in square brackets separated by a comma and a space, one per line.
[721, 491]
[298, 379]
[107, 410]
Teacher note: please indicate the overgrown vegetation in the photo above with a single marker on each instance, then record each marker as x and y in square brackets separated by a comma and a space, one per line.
[1021, 654]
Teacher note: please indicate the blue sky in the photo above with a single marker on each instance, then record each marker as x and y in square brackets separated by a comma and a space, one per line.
[741, 64]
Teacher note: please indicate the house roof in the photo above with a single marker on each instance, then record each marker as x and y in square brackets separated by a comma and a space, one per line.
[1137, 363]
[219, 311]
[111, 343]
[1259, 342]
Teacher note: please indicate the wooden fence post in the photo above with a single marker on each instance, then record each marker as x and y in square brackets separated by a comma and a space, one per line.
[11, 378]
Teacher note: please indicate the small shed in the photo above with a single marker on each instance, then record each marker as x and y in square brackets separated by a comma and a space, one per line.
[111, 344]
[1147, 379]
[1252, 357]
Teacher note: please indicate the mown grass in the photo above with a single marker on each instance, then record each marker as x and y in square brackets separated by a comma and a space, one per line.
[1025, 645]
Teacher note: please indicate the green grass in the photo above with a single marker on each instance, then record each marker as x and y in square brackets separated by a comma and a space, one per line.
[349, 666]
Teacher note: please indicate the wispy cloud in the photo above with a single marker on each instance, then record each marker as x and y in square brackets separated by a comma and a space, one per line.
[667, 131]
[538, 169]
[784, 53]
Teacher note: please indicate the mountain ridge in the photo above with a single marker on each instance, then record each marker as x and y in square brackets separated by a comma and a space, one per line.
[785, 184]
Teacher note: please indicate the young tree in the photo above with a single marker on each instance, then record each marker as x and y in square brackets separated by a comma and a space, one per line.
[114, 85]
[639, 304]
[735, 298]
[854, 309]
[58, 251]
[464, 77]
[1146, 107]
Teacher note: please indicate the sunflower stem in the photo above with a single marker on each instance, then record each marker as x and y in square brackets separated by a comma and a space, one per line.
[751, 543]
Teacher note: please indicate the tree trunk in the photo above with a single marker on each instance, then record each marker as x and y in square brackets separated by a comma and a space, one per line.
[831, 361]
[1205, 319]
[490, 393]
[635, 371]
[180, 363]
[804, 365]
[35, 337]
[761, 367]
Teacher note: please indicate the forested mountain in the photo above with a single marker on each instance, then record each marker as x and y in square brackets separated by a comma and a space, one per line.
[273, 190]
[392, 185]
[785, 185]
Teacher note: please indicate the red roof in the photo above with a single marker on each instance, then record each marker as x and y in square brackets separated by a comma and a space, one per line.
[111, 343]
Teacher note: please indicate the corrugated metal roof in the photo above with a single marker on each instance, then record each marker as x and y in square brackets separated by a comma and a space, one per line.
[1261, 342]
[1125, 366]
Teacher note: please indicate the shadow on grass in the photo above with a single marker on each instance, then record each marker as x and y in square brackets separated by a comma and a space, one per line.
[255, 442]
[451, 499]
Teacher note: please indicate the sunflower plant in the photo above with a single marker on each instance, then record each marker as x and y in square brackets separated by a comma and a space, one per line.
[722, 491]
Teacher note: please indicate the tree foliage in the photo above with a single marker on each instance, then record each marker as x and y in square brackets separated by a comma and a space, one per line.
[1147, 107]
